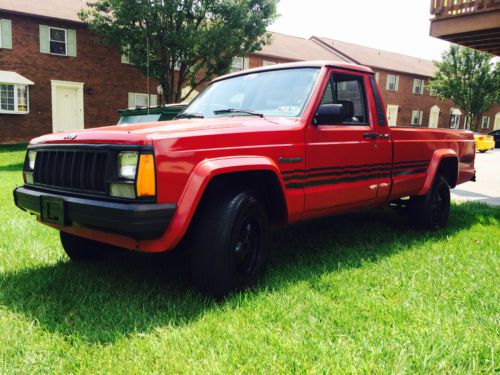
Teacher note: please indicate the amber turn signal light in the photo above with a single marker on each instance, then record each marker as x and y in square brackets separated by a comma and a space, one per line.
[146, 184]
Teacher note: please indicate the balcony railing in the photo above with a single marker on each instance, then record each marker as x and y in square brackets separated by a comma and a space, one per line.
[452, 8]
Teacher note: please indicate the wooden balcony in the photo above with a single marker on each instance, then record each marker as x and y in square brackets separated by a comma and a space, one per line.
[471, 23]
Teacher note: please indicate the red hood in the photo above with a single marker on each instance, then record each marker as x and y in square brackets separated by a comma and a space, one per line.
[144, 134]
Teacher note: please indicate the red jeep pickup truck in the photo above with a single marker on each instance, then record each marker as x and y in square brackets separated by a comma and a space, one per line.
[262, 147]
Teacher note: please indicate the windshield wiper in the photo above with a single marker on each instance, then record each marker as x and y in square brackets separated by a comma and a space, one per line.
[234, 110]
[190, 115]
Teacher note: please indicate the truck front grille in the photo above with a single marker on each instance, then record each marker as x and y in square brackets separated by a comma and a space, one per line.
[82, 170]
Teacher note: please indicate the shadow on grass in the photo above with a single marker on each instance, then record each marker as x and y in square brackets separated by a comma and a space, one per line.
[136, 293]
[11, 167]
[10, 148]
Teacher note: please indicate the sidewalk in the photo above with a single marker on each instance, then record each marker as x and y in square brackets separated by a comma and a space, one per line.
[487, 187]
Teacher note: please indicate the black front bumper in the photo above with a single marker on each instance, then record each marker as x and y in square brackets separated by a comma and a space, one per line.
[141, 221]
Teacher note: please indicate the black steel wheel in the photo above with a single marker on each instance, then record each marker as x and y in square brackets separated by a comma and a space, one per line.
[431, 211]
[229, 243]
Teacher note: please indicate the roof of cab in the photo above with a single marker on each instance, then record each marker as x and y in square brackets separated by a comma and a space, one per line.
[301, 64]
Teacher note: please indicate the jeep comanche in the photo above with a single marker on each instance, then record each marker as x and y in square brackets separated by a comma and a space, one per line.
[262, 147]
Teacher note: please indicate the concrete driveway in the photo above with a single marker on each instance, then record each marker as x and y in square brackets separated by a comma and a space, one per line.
[487, 187]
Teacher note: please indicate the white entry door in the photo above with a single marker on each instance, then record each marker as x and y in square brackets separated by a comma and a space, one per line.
[392, 114]
[434, 117]
[67, 106]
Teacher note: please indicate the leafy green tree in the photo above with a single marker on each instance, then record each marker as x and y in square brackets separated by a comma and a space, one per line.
[182, 42]
[470, 79]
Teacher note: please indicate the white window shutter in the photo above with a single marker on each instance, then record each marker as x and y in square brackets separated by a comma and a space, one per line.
[388, 83]
[420, 118]
[396, 86]
[131, 100]
[71, 42]
[415, 83]
[377, 76]
[153, 100]
[6, 32]
[246, 63]
[44, 39]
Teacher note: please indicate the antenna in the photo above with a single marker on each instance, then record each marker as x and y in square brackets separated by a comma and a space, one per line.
[147, 69]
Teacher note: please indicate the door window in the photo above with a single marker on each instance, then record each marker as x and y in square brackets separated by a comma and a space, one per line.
[349, 91]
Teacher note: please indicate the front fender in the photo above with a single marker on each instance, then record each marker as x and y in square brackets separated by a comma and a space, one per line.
[195, 187]
[433, 168]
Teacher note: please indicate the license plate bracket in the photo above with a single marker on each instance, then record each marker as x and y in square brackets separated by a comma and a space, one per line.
[52, 210]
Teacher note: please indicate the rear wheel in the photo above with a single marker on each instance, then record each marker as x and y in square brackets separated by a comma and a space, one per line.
[431, 211]
[81, 249]
[230, 243]
[482, 151]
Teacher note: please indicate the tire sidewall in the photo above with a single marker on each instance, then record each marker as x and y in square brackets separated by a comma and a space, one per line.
[218, 221]
[440, 185]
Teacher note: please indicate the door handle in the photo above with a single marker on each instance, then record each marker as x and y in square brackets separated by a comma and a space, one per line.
[370, 135]
[375, 136]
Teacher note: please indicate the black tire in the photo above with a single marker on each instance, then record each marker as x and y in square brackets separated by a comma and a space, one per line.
[80, 249]
[482, 151]
[230, 238]
[431, 211]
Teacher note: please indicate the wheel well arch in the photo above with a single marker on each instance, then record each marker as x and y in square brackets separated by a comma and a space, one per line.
[448, 168]
[264, 182]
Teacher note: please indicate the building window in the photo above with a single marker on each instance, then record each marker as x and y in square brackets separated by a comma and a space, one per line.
[141, 100]
[485, 123]
[417, 117]
[392, 82]
[454, 121]
[5, 33]
[14, 98]
[57, 39]
[377, 76]
[268, 63]
[239, 64]
[418, 86]
[125, 54]
[432, 92]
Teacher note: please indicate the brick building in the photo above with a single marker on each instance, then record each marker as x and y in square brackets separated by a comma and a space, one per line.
[55, 76]
[403, 79]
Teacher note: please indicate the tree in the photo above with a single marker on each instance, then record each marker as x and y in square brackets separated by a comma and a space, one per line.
[182, 42]
[470, 79]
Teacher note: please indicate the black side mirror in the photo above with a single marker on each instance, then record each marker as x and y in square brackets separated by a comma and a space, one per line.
[329, 114]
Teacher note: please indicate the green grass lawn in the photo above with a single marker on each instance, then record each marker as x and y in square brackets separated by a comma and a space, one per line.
[360, 293]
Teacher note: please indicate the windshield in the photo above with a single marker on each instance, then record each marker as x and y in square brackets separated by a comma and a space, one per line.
[270, 93]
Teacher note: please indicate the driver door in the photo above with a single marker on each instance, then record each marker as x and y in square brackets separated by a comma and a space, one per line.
[348, 162]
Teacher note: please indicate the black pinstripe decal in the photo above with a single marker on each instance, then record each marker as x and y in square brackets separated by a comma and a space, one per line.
[350, 173]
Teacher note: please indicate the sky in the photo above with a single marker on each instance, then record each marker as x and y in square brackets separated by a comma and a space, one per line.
[392, 25]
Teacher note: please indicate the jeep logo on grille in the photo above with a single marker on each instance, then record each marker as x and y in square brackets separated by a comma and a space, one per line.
[69, 137]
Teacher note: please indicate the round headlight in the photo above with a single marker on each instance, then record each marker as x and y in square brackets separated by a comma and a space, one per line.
[127, 164]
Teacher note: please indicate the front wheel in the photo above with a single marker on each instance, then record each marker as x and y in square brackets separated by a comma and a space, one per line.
[81, 249]
[230, 243]
[431, 211]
